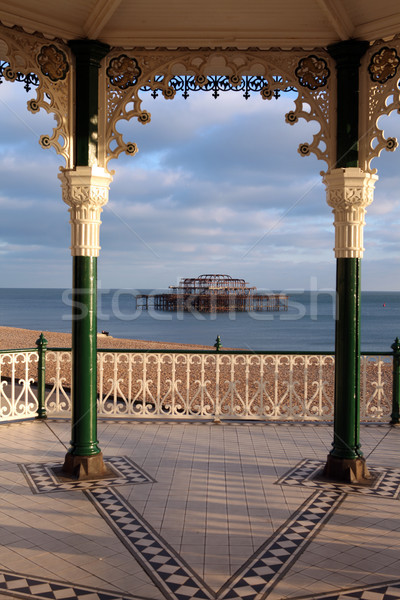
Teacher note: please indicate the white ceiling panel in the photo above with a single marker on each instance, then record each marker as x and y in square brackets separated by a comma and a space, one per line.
[215, 23]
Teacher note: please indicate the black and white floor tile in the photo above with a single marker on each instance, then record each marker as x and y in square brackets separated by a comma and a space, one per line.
[273, 559]
[386, 484]
[15, 585]
[42, 477]
[175, 579]
[387, 591]
[164, 566]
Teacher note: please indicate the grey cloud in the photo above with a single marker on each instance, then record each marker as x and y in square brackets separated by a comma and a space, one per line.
[212, 189]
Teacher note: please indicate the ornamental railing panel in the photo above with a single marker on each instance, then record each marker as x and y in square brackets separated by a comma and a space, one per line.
[291, 387]
[376, 378]
[18, 373]
[57, 399]
[196, 385]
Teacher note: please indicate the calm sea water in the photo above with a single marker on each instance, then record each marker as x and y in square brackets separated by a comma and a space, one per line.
[309, 323]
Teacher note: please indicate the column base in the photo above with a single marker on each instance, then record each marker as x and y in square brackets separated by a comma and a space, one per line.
[85, 467]
[347, 470]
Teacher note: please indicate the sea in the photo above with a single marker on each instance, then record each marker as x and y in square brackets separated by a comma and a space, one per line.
[308, 325]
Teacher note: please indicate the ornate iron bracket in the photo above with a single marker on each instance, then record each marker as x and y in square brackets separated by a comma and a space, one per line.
[269, 73]
[380, 96]
[30, 59]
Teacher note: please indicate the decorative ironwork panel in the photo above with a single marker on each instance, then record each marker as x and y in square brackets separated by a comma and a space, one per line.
[29, 80]
[18, 372]
[213, 386]
[216, 84]
[379, 97]
[53, 63]
[376, 388]
[234, 386]
[384, 64]
[58, 375]
[123, 72]
[29, 58]
[312, 72]
[270, 387]
[269, 73]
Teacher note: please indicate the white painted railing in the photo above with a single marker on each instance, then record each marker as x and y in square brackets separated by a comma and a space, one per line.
[196, 385]
[376, 377]
[221, 386]
[18, 372]
[57, 399]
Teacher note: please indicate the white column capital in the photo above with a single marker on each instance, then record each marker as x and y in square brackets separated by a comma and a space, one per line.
[349, 191]
[85, 191]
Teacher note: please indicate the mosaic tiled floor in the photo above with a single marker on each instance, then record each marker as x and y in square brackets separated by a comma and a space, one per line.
[386, 485]
[388, 591]
[261, 573]
[180, 582]
[42, 478]
[14, 585]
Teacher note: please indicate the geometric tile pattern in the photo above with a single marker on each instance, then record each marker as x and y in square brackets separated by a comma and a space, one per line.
[386, 591]
[177, 580]
[160, 561]
[43, 480]
[386, 485]
[13, 585]
[269, 563]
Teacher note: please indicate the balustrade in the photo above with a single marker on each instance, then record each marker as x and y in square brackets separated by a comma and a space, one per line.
[191, 385]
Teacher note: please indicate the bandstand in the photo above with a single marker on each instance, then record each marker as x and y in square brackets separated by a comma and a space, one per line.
[93, 63]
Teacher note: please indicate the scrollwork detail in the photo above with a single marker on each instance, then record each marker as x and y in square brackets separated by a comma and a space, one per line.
[383, 65]
[312, 72]
[380, 96]
[123, 72]
[46, 67]
[53, 63]
[269, 73]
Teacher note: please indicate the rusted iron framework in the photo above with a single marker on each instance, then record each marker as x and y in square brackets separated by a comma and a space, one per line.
[213, 293]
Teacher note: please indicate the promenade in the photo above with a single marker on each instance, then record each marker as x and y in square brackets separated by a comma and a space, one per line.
[197, 510]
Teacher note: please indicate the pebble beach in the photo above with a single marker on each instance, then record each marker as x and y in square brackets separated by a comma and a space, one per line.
[13, 338]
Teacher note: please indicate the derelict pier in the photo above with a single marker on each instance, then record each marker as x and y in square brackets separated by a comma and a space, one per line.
[213, 293]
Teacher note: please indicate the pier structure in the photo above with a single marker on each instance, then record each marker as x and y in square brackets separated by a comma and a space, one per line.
[213, 293]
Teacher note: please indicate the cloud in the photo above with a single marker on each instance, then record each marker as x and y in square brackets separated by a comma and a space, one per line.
[217, 186]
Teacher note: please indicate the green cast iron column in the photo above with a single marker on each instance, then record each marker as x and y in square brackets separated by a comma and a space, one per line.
[84, 357]
[395, 416]
[41, 344]
[346, 442]
[88, 55]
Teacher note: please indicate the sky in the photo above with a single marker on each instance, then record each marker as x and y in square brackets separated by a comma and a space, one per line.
[216, 187]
